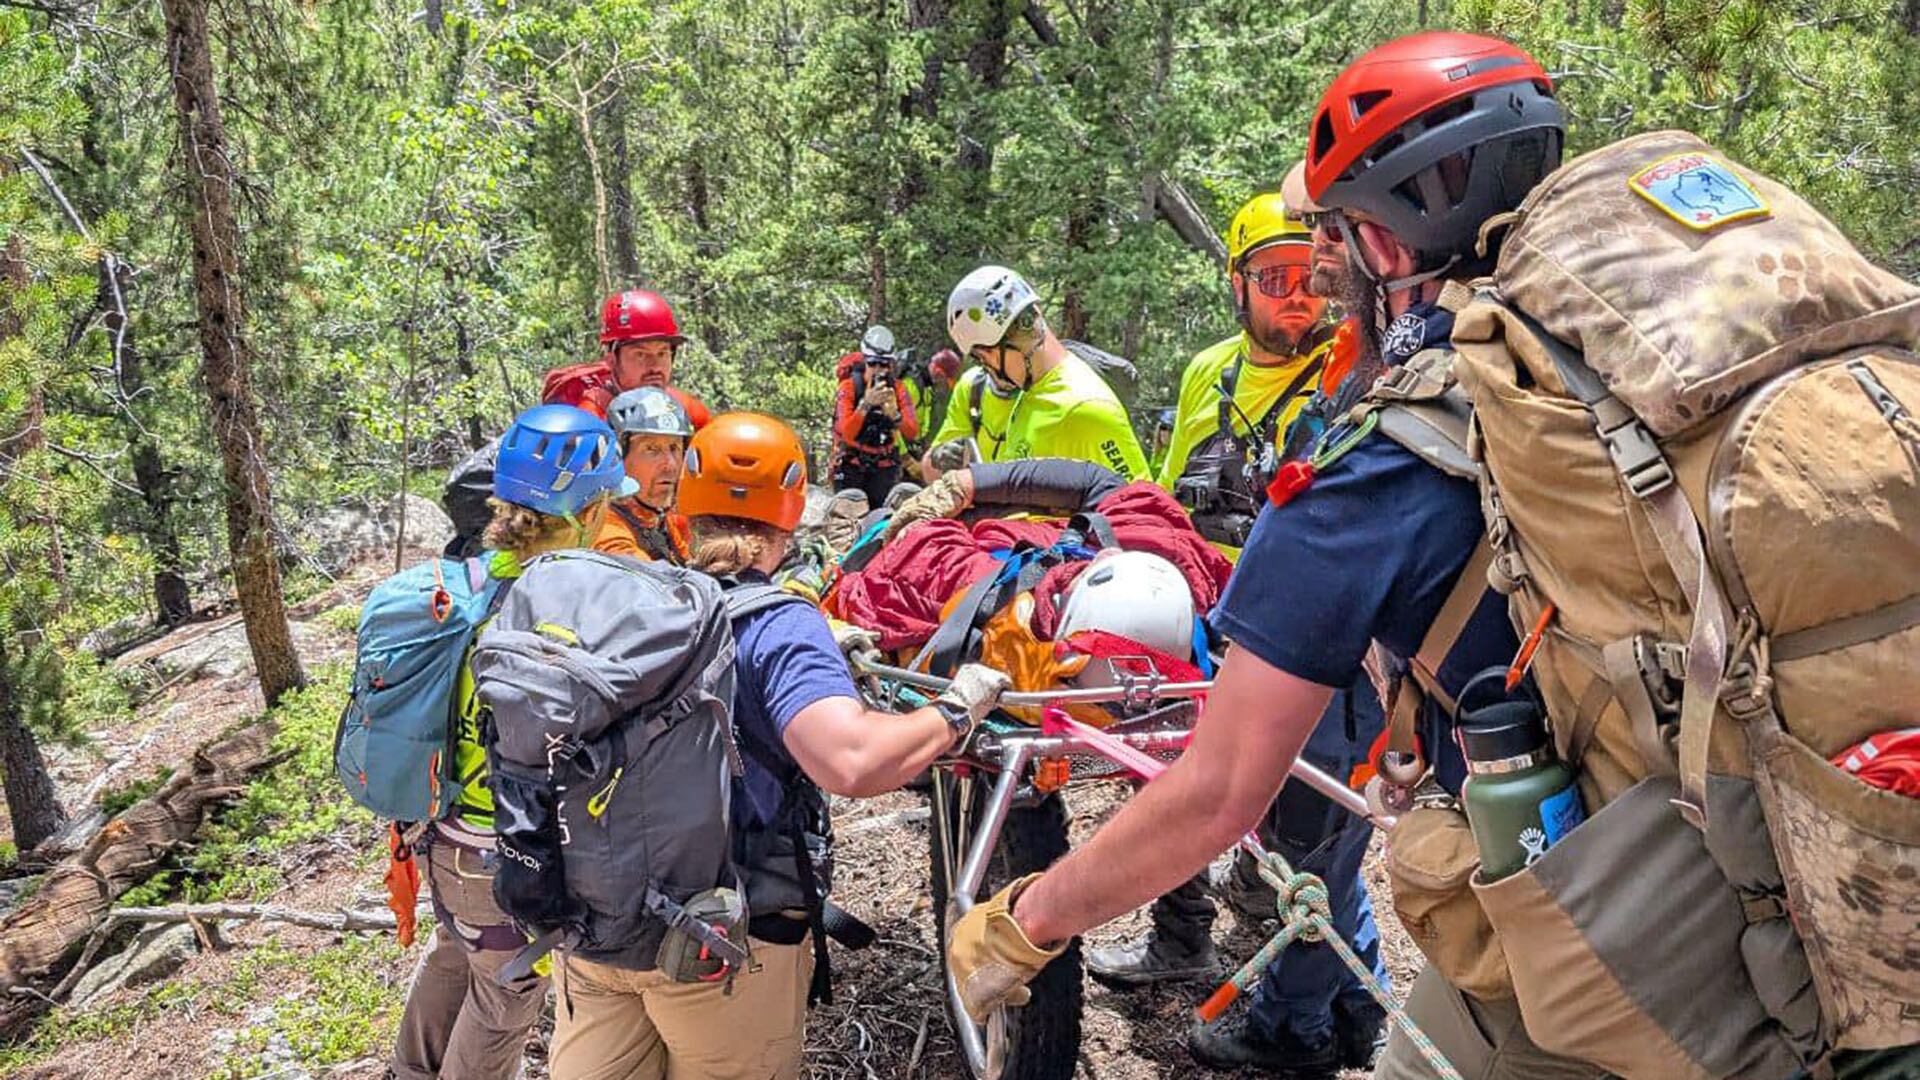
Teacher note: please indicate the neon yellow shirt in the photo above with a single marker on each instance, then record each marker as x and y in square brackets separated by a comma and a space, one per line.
[1069, 412]
[474, 808]
[1197, 417]
[958, 423]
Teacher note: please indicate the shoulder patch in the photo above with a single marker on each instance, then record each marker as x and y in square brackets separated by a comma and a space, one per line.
[1699, 191]
[1405, 336]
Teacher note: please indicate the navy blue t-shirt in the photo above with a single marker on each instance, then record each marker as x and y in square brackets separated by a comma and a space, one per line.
[784, 660]
[1369, 551]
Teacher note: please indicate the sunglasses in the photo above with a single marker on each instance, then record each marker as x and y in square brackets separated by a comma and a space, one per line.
[1279, 282]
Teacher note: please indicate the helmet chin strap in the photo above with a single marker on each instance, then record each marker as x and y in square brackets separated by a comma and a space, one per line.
[999, 372]
[1351, 237]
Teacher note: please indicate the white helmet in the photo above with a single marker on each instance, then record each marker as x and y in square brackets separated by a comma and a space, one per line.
[984, 304]
[1135, 594]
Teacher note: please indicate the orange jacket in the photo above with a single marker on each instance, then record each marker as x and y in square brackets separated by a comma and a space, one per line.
[850, 417]
[617, 535]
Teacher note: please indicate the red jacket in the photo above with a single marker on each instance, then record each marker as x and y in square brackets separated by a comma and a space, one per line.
[901, 592]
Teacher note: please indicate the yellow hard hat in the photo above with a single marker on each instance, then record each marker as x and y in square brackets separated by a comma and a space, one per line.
[1263, 220]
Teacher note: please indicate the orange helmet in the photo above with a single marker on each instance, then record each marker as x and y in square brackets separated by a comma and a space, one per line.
[746, 465]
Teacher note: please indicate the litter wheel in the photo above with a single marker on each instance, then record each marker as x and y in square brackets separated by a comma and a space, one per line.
[1041, 1040]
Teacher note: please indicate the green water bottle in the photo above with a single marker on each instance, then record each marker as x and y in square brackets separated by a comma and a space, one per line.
[1519, 796]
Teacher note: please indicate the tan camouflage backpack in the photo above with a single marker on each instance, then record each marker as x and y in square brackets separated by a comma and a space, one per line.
[1698, 421]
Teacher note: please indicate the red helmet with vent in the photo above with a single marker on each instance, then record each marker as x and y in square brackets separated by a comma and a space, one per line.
[637, 315]
[1433, 133]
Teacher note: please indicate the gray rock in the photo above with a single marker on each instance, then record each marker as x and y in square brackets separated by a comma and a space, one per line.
[338, 538]
[156, 953]
[14, 890]
[224, 654]
[815, 515]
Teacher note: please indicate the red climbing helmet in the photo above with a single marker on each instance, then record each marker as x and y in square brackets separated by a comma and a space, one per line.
[637, 315]
[1432, 134]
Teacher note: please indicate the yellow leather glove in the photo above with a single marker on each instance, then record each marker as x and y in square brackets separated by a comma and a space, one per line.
[990, 957]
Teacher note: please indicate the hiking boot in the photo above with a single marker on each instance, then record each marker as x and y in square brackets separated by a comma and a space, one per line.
[1234, 1044]
[1146, 960]
[1239, 885]
[1359, 1032]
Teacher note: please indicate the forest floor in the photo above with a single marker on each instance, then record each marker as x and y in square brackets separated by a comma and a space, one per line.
[294, 1004]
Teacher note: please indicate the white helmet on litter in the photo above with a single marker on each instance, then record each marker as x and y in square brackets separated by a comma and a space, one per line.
[984, 305]
[1135, 594]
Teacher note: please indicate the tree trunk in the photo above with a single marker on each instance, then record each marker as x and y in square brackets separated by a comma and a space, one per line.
[32, 436]
[699, 200]
[1082, 217]
[1911, 19]
[172, 599]
[626, 254]
[32, 802]
[987, 63]
[922, 102]
[227, 356]
[581, 106]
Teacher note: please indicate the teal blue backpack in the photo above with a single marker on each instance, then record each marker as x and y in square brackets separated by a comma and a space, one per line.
[394, 746]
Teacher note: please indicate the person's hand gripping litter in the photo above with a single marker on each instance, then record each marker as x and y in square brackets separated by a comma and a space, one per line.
[991, 959]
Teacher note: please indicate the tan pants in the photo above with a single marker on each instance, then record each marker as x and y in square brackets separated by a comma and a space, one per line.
[611, 1024]
[460, 1022]
[1483, 1040]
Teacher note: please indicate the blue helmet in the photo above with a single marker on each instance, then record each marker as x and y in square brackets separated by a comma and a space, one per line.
[558, 459]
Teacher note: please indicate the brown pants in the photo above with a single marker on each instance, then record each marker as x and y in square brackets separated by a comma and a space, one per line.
[611, 1024]
[460, 1022]
[1483, 1040]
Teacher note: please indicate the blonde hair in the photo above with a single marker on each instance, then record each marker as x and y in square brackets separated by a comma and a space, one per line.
[520, 530]
[728, 545]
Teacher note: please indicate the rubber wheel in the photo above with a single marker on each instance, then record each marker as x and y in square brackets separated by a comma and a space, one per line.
[1043, 1037]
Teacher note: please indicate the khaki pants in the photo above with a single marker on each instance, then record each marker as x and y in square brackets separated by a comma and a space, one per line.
[1483, 1040]
[460, 1022]
[611, 1024]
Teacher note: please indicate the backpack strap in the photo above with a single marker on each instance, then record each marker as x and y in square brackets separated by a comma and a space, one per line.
[1406, 697]
[1424, 409]
[1646, 474]
[746, 598]
[976, 394]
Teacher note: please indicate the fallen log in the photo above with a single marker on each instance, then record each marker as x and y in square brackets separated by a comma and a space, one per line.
[345, 920]
[79, 891]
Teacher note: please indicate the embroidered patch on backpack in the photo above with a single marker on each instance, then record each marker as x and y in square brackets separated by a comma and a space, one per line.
[1698, 191]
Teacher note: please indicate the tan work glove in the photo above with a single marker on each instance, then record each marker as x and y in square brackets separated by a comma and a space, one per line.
[976, 688]
[943, 498]
[853, 639]
[991, 959]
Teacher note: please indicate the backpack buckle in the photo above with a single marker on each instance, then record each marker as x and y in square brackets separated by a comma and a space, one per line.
[1635, 454]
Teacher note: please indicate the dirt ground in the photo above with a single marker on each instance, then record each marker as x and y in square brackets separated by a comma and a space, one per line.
[887, 1022]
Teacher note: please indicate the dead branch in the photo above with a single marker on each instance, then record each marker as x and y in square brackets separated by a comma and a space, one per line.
[343, 921]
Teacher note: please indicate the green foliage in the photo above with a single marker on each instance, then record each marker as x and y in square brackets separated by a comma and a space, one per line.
[115, 800]
[344, 619]
[327, 1006]
[433, 206]
[345, 1009]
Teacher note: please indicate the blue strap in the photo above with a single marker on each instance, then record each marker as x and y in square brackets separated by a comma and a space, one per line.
[1201, 658]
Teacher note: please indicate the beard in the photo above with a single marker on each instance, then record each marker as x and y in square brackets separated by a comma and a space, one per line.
[1282, 337]
[1359, 296]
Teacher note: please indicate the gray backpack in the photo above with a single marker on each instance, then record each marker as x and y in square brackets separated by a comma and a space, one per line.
[609, 688]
